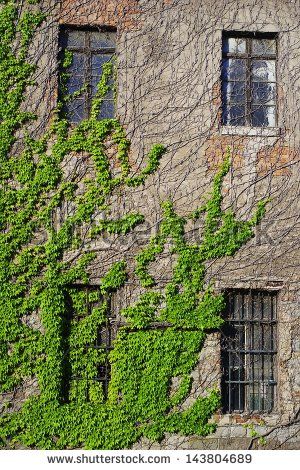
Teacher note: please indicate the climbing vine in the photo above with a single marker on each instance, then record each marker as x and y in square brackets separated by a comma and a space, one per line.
[37, 279]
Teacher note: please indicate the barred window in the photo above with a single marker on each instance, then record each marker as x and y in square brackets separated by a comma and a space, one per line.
[90, 50]
[87, 363]
[249, 80]
[248, 352]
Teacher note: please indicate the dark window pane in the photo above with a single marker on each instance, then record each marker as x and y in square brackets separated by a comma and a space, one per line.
[247, 307]
[78, 63]
[90, 51]
[97, 62]
[234, 45]
[234, 115]
[249, 81]
[254, 400]
[75, 110]
[255, 337]
[95, 81]
[73, 39]
[264, 46]
[263, 70]
[107, 110]
[274, 314]
[238, 306]
[233, 92]
[263, 92]
[103, 40]
[267, 340]
[234, 69]
[75, 83]
[237, 397]
[267, 307]
[256, 306]
[248, 363]
[263, 116]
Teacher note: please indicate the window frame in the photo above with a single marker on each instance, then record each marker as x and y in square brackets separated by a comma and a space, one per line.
[249, 56]
[109, 329]
[247, 383]
[88, 52]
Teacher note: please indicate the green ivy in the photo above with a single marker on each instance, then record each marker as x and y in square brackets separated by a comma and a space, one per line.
[36, 279]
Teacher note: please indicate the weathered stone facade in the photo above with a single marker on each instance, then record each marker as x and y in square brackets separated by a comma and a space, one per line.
[169, 91]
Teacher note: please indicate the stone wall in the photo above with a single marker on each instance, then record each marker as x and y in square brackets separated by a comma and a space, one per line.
[169, 91]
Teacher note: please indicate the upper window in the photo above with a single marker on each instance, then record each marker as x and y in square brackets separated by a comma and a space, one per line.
[249, 80]
[90, 50]
[248, 352]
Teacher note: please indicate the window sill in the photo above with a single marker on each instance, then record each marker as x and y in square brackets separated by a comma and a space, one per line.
[251, 131]
[233, 419]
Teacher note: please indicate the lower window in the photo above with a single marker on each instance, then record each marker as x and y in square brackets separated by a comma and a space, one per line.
[86, 359]
[248, 352]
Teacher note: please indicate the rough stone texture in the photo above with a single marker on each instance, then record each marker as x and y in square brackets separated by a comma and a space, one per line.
[169, 91]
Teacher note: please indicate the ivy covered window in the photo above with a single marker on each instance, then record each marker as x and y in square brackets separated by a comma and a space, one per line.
[86, 363]
[248, 352]
[249, 80]
[90, 50]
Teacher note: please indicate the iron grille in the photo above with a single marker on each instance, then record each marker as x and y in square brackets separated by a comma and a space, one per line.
[248, 352]
[104, 341]
[90, 51]
[249, 79]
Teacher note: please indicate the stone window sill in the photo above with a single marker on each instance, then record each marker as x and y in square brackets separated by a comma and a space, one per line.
[272, 418]
[251, 131]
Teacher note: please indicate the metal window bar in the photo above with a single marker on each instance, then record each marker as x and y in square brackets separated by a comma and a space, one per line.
[249, 57]
[248, 352]
[88, 46]
[105, 336]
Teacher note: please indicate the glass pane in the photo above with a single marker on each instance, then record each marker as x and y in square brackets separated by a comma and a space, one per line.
[247, 306]
[97, 62]
[102, 372]
[263, 70]
[103, 40]
[237, 306]
[268, 397]
[254, 397]
[240, 337]
[75, 82]
[234, 115]
[78, 63]
[273, 307]
[237, 398]
[267, 343]
[267, 307]
[234, 69]
[234, 92]
[264, 46]
[263, 116]
[257, 306]
[234, 45]
[73, 39]
[255, 340]
[256, 367]
[229, 309]
[75, 110]
[263, 92]
[107, 110]
[95, 81]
